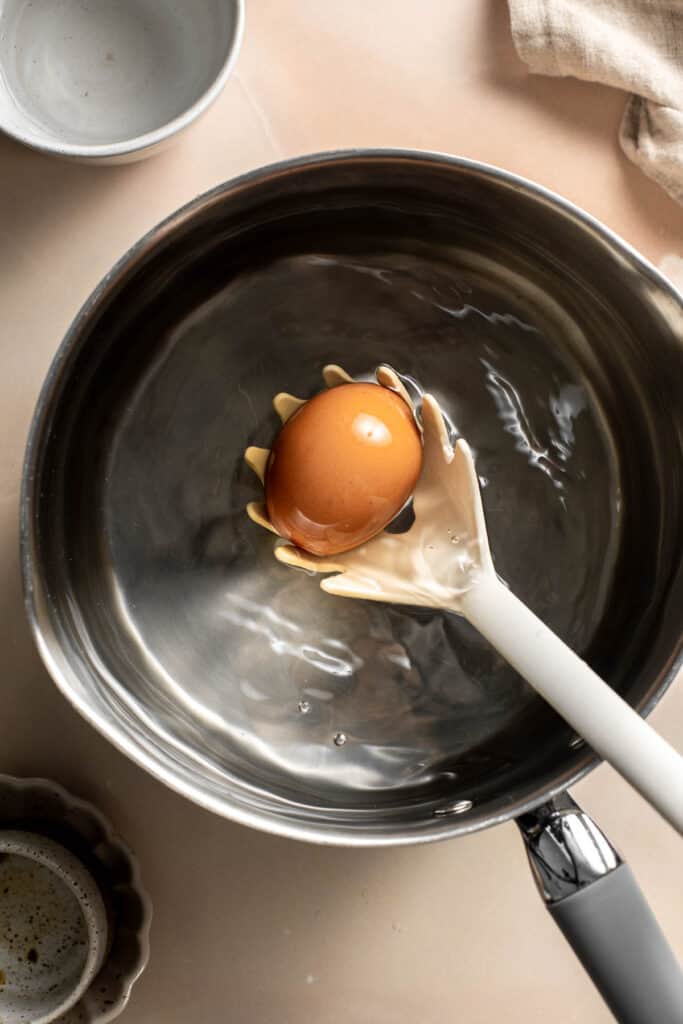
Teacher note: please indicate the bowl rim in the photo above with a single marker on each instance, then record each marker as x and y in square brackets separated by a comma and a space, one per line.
[37, 600]
[74, 876]
[139, 143]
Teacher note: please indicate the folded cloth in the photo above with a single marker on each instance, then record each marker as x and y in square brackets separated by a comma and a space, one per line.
[636, 45]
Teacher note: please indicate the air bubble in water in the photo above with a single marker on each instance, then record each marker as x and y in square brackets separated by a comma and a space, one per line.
[304, 706]
[339, 739]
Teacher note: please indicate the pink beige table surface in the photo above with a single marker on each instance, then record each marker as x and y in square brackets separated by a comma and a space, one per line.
[251, 929]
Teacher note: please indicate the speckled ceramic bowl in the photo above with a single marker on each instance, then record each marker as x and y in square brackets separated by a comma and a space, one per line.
[111, 80]
[53, 929]
[54, 818]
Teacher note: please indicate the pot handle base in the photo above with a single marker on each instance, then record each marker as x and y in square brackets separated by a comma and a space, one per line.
[600, 909]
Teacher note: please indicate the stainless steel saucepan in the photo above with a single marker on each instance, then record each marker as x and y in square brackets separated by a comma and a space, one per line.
[163, 617]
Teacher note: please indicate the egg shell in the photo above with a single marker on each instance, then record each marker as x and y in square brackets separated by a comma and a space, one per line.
[342, 467]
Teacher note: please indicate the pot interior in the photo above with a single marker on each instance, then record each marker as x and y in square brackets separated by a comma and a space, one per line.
[551, 349]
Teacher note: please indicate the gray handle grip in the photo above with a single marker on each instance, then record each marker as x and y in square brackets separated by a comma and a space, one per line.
[616, 936]
[597, 904]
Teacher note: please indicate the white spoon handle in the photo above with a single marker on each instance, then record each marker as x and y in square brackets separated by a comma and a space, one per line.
[606, 722]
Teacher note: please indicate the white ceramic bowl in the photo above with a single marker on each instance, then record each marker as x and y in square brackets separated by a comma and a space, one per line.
[53, 929]
[111, 80]
[46, 810]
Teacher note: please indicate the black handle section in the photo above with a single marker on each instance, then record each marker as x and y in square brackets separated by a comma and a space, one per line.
[616, 936]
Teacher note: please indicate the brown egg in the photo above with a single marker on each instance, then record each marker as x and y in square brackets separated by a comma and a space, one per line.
[342, 467]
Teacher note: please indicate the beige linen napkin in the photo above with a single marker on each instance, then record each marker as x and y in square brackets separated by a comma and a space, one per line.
[636, 45]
